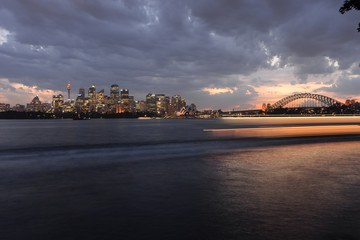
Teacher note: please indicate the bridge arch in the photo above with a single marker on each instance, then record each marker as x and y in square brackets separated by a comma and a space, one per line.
[321, 98]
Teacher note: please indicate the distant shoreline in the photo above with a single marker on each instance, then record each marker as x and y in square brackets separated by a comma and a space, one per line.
[94, 115]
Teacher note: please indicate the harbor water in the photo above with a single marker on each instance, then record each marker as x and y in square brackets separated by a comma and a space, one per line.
[180, 179]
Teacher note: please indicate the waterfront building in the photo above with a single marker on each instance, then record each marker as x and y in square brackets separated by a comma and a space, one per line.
[176, 104]
[140, 106]
[69, 107]
[4, 107]
[46, 107]
[57, 103]
[19, 108]
[34, 105]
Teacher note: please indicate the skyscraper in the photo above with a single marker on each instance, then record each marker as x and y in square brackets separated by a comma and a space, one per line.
[114, 92]
[124, 93]
[92, 98]
[160, 104]
[125, 100]
[151, 103]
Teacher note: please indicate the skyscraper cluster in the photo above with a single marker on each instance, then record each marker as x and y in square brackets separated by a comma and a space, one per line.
[118, 101]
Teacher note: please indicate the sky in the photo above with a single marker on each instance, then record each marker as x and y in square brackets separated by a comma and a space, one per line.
[218, 54]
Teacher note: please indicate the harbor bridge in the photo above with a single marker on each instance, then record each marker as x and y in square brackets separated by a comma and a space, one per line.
[306, 100]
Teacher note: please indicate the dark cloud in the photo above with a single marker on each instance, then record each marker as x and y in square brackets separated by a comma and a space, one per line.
[345, 86]
[171, 46]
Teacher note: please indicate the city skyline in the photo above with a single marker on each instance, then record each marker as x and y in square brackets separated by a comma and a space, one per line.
[217, 54]
[95, 101]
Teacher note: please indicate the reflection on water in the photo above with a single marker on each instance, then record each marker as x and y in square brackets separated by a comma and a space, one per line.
[291, 120]
[275, 127]
[292, 192]
[298, 131]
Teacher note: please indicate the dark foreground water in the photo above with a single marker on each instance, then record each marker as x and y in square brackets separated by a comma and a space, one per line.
[168, 179]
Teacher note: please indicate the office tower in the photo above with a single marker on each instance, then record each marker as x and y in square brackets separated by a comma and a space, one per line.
[151, 103]
[114, 92]
[140, 106]
[125, 100]
[160, 104]
[124, 93]
[92, 92]
[58, 101]
[100, 102]
[92, 98]
[131, 104]
[114, 98]
[100, 97]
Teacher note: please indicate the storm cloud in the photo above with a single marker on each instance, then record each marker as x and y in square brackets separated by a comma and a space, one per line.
[174, 46]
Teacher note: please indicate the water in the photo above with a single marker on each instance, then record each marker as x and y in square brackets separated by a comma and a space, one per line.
[169, 179]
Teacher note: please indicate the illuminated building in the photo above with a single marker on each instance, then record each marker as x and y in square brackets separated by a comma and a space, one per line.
[100, 98]
[125, 100]
[92, 92]
[160, 104]
[176, 104]
[46, 107]
[140, 106]
[131, 104]
[80, 101]
[35, 105]
[124, 93]
[151, 103]
[114, 92]
[58, 102]
[92, 98]
[4, 107]
[119, 108]
[68, 106]
[100, 102]
[19, 108]
[114, 98]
